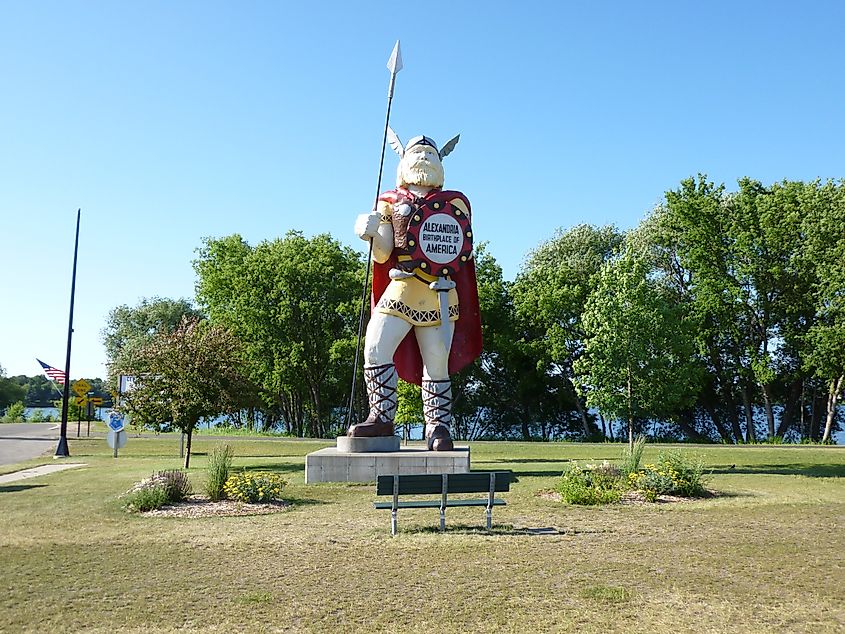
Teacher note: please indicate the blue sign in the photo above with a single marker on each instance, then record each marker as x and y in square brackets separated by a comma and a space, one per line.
[116, 421]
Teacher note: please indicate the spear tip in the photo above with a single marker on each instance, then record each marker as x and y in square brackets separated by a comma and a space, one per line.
[394, 64]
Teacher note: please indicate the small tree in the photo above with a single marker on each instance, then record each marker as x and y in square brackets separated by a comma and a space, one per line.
[639, 359]
[193, 373]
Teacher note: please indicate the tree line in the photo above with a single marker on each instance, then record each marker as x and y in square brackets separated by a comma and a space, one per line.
[720, 317]
[39, 391]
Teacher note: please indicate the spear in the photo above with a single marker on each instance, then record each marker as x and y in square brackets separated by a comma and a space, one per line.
[394, 65]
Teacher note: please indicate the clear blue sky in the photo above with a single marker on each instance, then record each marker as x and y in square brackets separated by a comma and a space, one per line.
[169, 121]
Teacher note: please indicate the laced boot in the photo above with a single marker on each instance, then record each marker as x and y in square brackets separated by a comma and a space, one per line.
[381, 392]
[437, 409]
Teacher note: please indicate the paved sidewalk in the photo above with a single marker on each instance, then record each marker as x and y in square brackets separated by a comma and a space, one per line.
[38, 471]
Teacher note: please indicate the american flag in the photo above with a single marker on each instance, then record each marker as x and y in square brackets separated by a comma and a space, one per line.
[54, 374]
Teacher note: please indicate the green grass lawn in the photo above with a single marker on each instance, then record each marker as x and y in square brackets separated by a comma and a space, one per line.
[766, 555]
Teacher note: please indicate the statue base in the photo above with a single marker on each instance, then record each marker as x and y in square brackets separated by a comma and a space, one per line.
[348, 444]
[333, 465]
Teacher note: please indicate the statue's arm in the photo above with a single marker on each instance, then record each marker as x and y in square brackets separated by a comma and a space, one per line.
[377, 226]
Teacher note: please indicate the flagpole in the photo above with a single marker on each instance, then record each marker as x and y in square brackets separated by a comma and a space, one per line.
[60, 392]
[62, 448]
[394, 64]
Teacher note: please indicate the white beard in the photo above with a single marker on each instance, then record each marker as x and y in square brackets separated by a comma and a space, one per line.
[421, 172]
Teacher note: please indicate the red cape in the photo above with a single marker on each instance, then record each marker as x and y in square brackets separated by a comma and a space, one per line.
[466, 342]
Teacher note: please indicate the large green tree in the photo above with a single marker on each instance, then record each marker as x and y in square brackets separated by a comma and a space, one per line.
[129, 328]
[735, 260]
[823, 230]
[549, 295]
[639, 359]
[294, 302]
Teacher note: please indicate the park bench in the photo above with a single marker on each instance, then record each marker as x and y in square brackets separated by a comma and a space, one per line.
[445, 484]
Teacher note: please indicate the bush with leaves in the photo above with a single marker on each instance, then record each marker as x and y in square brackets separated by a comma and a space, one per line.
[687, 473]
[15, 413]
[592, 484]
[651, 481]
[163, 487]
[675, 473]
[146, 499]
[255, 487]
[219, 465]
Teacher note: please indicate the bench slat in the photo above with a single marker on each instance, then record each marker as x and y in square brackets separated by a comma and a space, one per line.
[476, 482]
[435, 504]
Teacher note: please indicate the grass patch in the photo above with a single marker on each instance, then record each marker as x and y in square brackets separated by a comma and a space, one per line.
[607, 594]
[766, 555]
[260, 596]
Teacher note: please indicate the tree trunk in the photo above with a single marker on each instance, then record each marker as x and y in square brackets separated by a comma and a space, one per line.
[190, 435]
[805, 430]
[687, 424]
[750, 432]
[815, 415]
[790, 407]
[603, 426]
[526, 432]
[723, 432]
[583, 413]
[318, 413]
[630, 416]
[770, 415]
[733, 414]
[832, 398]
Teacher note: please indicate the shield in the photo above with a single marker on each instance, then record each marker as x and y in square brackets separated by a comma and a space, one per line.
[439, 234]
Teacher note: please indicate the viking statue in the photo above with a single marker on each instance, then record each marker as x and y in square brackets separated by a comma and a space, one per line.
[425, 321]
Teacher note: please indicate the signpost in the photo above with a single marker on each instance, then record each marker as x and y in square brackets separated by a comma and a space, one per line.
[93, 403]
[116, 436]
[80, 388]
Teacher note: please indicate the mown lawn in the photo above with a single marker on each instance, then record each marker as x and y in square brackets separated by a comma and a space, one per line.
[766, 555]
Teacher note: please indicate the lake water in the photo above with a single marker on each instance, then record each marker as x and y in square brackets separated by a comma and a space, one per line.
[416, 432]
[56, 414]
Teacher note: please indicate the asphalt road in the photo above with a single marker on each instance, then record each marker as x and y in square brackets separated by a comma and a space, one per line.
[22, 441]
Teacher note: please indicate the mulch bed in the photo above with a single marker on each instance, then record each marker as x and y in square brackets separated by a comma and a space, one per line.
[199, 506]
[629, 498]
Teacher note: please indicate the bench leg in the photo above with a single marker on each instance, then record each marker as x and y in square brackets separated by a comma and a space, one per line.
[489, 518]
[393, 522]
[442, 519]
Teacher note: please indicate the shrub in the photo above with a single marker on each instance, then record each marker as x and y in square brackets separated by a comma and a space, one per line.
[687, 473]
[219, 464]
[651, 481]
[15, 413]
[254, 487]
[591, 485]
[163, 487]
[176, 483]
[146, 499]
[674, 473]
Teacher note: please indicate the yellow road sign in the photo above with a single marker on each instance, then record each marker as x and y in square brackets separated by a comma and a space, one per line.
[81, 400]
[96, 400]
[81, 387]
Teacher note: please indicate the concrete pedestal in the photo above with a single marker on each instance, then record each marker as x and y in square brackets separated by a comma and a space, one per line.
[379, 444]
[332, 465]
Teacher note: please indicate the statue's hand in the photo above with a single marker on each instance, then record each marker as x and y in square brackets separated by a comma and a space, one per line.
[366, 226]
